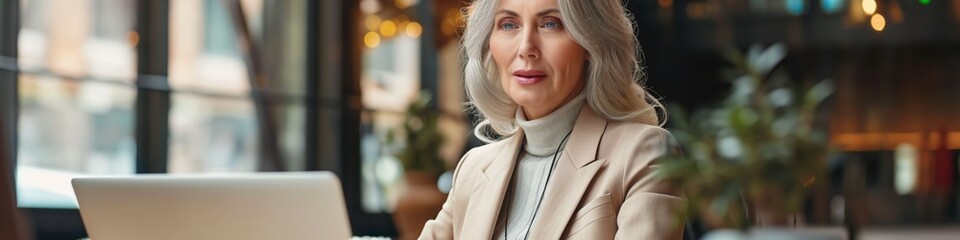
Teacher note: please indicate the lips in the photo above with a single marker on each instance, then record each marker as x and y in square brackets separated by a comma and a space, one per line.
[529, 76]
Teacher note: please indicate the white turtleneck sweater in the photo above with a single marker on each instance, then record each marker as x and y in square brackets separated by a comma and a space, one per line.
[542, 139]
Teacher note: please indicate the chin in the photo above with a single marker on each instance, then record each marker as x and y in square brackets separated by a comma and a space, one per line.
[530, 99]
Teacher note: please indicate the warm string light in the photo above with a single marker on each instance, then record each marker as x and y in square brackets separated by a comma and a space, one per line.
[414, 29]
[371, 39]
[869, 6]
[378, 30]
[388, 28]
[878, 22]
[386, 19]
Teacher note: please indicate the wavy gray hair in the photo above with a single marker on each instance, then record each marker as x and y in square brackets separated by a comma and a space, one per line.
[613, 74]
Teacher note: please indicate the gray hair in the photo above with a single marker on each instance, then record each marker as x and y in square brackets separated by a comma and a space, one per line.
[613, 73]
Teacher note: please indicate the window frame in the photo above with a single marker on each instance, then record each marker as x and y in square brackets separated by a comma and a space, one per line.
[10, 223]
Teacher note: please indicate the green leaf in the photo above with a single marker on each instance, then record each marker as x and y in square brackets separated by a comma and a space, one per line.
[818, 93]
[763, 62]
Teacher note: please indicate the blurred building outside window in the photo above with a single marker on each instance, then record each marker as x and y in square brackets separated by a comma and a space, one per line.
[77, 91]
[76, 105]
[212, 121]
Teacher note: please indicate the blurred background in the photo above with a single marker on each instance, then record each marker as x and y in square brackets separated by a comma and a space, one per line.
[116, 87]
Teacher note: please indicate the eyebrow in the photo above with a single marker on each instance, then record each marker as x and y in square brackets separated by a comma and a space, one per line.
[539, 14]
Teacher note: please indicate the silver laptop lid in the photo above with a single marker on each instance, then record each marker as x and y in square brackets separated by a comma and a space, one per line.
[222, 206]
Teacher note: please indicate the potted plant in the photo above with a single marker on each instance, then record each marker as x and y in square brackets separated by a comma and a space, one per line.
[417, 145]
[762, 148]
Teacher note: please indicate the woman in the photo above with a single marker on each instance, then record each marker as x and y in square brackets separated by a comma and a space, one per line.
[558, 79]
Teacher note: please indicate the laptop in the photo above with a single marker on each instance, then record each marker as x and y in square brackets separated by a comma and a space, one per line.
[223, 206]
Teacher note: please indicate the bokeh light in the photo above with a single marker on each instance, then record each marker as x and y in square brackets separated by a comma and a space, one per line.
[869, 6]
[414, 29]
[831, 6]
[371, 39]
[795, 7]
[388, 28]
[878, 22]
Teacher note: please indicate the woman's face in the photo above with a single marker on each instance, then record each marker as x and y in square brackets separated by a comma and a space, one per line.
[539, 63]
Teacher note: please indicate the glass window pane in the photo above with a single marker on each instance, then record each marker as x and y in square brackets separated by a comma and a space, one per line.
[212, 134]
[68, 129]
[93, 38]
[390, 80]
[204, 52]
[221, 134]
[284, 51]
[291, 135]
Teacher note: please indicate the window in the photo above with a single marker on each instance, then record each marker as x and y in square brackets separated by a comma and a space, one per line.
[76, 97]
[80, 92]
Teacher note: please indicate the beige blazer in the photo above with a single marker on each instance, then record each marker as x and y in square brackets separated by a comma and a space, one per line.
[602, 188]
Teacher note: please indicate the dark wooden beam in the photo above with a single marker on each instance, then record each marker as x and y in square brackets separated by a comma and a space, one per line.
[427, 14]
[153, 106]
[12, 222]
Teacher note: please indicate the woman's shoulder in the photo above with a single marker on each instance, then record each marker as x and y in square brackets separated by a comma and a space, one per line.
[634, 133]
[634, 144]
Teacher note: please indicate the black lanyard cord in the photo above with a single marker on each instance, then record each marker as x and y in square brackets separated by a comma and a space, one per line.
[546, 183]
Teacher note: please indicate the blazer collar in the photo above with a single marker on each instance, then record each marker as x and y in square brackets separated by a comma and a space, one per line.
[574, 171]
[491, 185]
[572, 177]
[585, 138]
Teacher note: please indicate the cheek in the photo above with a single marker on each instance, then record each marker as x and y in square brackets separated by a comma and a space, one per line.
[500, 51]
[570, 60]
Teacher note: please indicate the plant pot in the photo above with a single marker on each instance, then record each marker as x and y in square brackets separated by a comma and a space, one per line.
[778, 233]
[419, 202]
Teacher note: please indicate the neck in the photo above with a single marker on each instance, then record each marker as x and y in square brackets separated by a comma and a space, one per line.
[544, 134]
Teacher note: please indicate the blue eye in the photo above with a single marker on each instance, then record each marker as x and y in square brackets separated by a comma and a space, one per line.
[552, 24]
[508, 26]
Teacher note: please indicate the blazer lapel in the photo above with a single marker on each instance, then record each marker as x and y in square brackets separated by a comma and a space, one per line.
[487, 196]
[571, 178]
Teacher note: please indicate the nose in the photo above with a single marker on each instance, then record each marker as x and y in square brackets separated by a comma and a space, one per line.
[529, 48]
